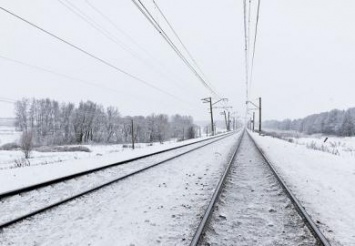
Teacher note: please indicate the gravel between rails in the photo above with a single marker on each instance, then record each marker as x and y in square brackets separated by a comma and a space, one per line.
[253, 209]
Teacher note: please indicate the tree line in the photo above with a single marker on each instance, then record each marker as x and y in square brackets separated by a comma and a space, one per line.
[53, 123]
[335, 122]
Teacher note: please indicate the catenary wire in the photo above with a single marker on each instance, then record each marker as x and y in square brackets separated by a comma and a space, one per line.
[90, 83]
[180, 41]
[112, 90]
[109, 20]
[254, 45]
[246, 49]
[156, 25]
[79, 13]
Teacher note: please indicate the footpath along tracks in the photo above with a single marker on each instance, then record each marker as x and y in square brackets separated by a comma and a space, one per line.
[21, 204]
[252, 206]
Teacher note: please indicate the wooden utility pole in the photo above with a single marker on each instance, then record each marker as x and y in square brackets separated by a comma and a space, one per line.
[259, 115]
[209, 100]
[132, 131]
[211, 111]
[258, 107]
[229, 121]
[225, 119]
[253, 121]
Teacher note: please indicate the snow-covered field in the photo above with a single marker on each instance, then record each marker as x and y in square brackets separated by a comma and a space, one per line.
[323, 182]
[334, 145]
[10, 158]
[8, 134]
[343, 146]
[15, 178]
[49, 195]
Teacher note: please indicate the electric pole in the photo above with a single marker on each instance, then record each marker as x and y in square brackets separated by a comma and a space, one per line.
[225, 119]
[209, 100]
[259, 115]
[253, 121]
[132, 131]
[229, 121]
[258, 107]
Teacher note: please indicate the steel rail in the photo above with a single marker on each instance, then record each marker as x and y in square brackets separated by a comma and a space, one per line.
[79, 174]
[209, 210]
[321, 239]
[90, 190]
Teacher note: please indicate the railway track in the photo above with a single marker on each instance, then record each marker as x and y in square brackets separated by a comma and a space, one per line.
[252, 205]
[42, 197]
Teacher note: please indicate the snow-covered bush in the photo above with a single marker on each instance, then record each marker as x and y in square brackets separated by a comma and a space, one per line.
[10, 146]
[26, 143]
[63, 149]
[21, 162]
[322, 147]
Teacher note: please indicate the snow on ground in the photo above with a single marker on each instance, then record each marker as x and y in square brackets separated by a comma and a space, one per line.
[8, 158]
[343, 146]
[161, 206]
[8, 134]
[253, 209]
[334, 145]
[16, 178]
[324, 184]
[36, 199]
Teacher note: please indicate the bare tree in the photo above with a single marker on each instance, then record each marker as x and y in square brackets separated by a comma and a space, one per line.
[26, 143]
[49, 122]
[21, 111]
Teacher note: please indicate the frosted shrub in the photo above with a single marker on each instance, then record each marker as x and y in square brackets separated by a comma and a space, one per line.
[21, 162]
[313, 145]
[26, 143]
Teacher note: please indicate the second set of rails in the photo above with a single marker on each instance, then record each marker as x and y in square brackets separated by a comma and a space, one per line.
[59, 181]
[199, 232]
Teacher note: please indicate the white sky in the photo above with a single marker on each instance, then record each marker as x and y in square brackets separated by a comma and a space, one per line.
[304, 59]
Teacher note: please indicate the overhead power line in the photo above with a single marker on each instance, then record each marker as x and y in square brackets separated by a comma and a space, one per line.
[62, 75]
[254, 45]
[79, 13]
[132, 40]
[7, 100]
[90, 54]
[59, 74]
[83, 16]
[179, 39]
[246, 41]
[161, 31]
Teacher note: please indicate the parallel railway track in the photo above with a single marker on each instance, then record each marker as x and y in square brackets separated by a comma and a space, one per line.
[182, 150]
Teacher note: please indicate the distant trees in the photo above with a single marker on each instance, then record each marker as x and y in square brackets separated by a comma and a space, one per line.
[51, 122]
[335, 122]
[182, 127]
[347, 127]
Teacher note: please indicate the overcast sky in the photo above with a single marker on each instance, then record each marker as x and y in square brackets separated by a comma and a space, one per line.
[304, 60]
